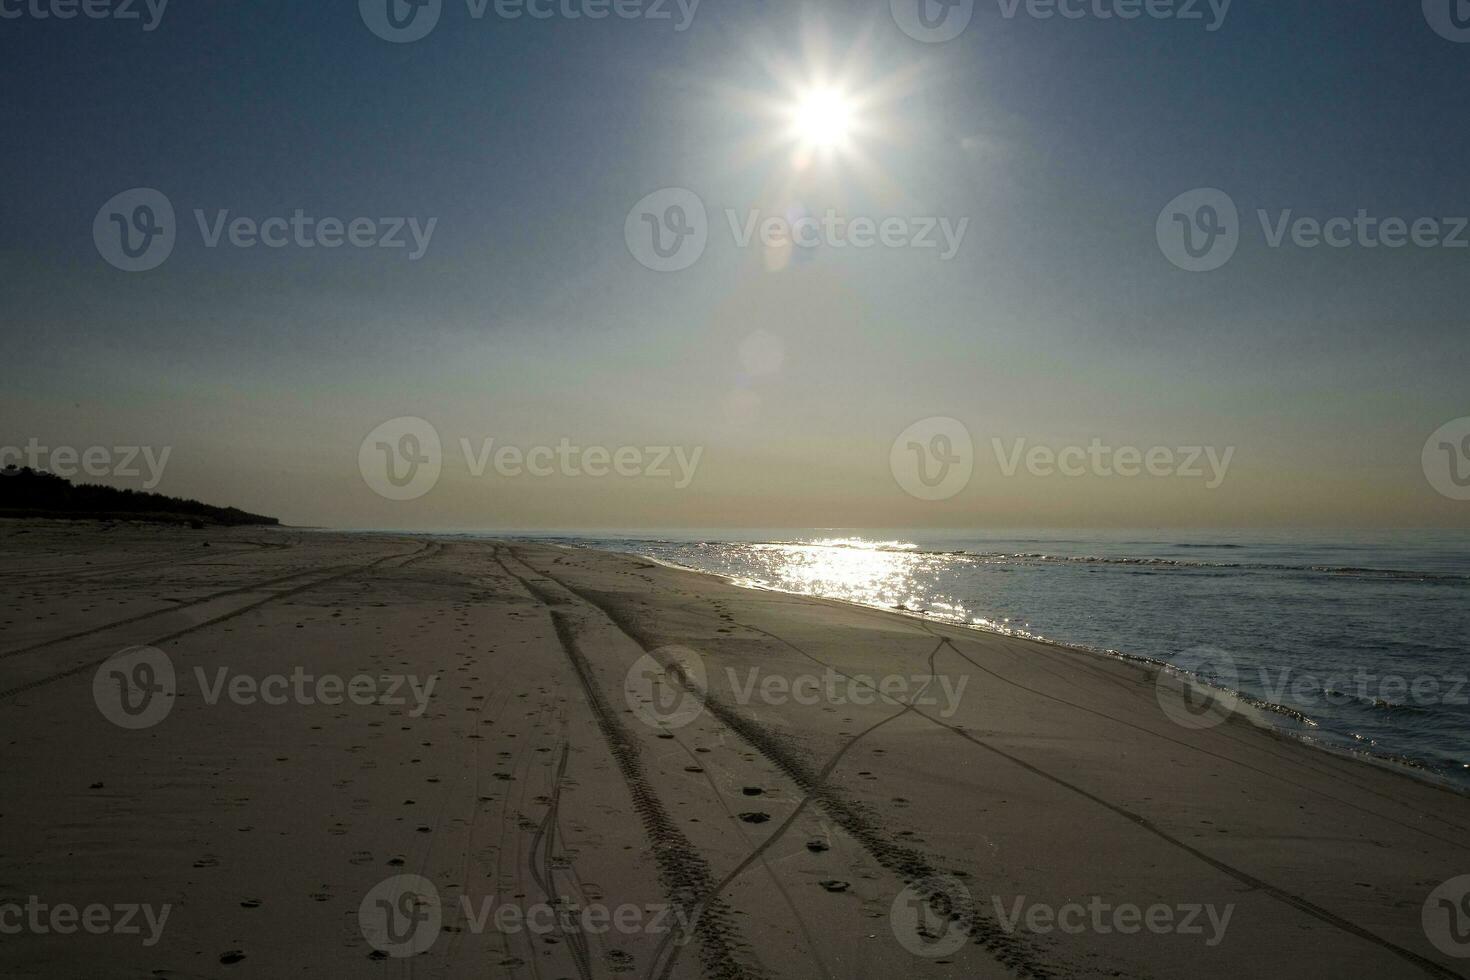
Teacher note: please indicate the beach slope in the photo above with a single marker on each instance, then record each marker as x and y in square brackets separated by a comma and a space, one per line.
[501, 759]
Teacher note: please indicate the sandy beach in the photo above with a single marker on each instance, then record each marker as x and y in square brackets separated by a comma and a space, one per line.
[276, 753]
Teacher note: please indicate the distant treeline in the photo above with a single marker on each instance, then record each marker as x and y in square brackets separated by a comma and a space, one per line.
[25, 492]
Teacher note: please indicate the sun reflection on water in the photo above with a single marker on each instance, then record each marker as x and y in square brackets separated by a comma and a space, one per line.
[892, 574]
[896, 575]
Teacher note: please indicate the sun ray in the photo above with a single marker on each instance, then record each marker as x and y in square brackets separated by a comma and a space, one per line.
[819, 110]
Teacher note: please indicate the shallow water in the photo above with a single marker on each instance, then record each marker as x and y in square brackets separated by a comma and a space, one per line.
[1362, 635]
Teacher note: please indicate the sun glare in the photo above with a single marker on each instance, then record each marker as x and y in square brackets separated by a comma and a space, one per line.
[821, 115]
[822, 118]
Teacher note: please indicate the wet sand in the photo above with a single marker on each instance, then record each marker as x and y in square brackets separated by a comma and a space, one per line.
[821, 790]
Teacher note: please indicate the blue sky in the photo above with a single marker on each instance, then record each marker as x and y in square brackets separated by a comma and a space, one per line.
[528, 320]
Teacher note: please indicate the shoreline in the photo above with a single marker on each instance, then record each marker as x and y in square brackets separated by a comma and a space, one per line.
[1255, 711]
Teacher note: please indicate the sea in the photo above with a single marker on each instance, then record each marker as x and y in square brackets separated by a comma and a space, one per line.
[1352, 640]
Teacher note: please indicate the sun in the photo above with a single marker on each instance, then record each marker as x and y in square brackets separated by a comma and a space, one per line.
[822, 112]
[823, 118]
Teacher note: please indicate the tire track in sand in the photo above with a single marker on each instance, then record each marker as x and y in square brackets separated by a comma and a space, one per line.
[757, 736]
[683, 872]
[428, 549]
[864, 826]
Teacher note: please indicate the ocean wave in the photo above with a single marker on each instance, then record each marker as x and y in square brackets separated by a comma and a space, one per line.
[1373, 703]
[1142, 561]
[1339, 570]
[855, 544]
